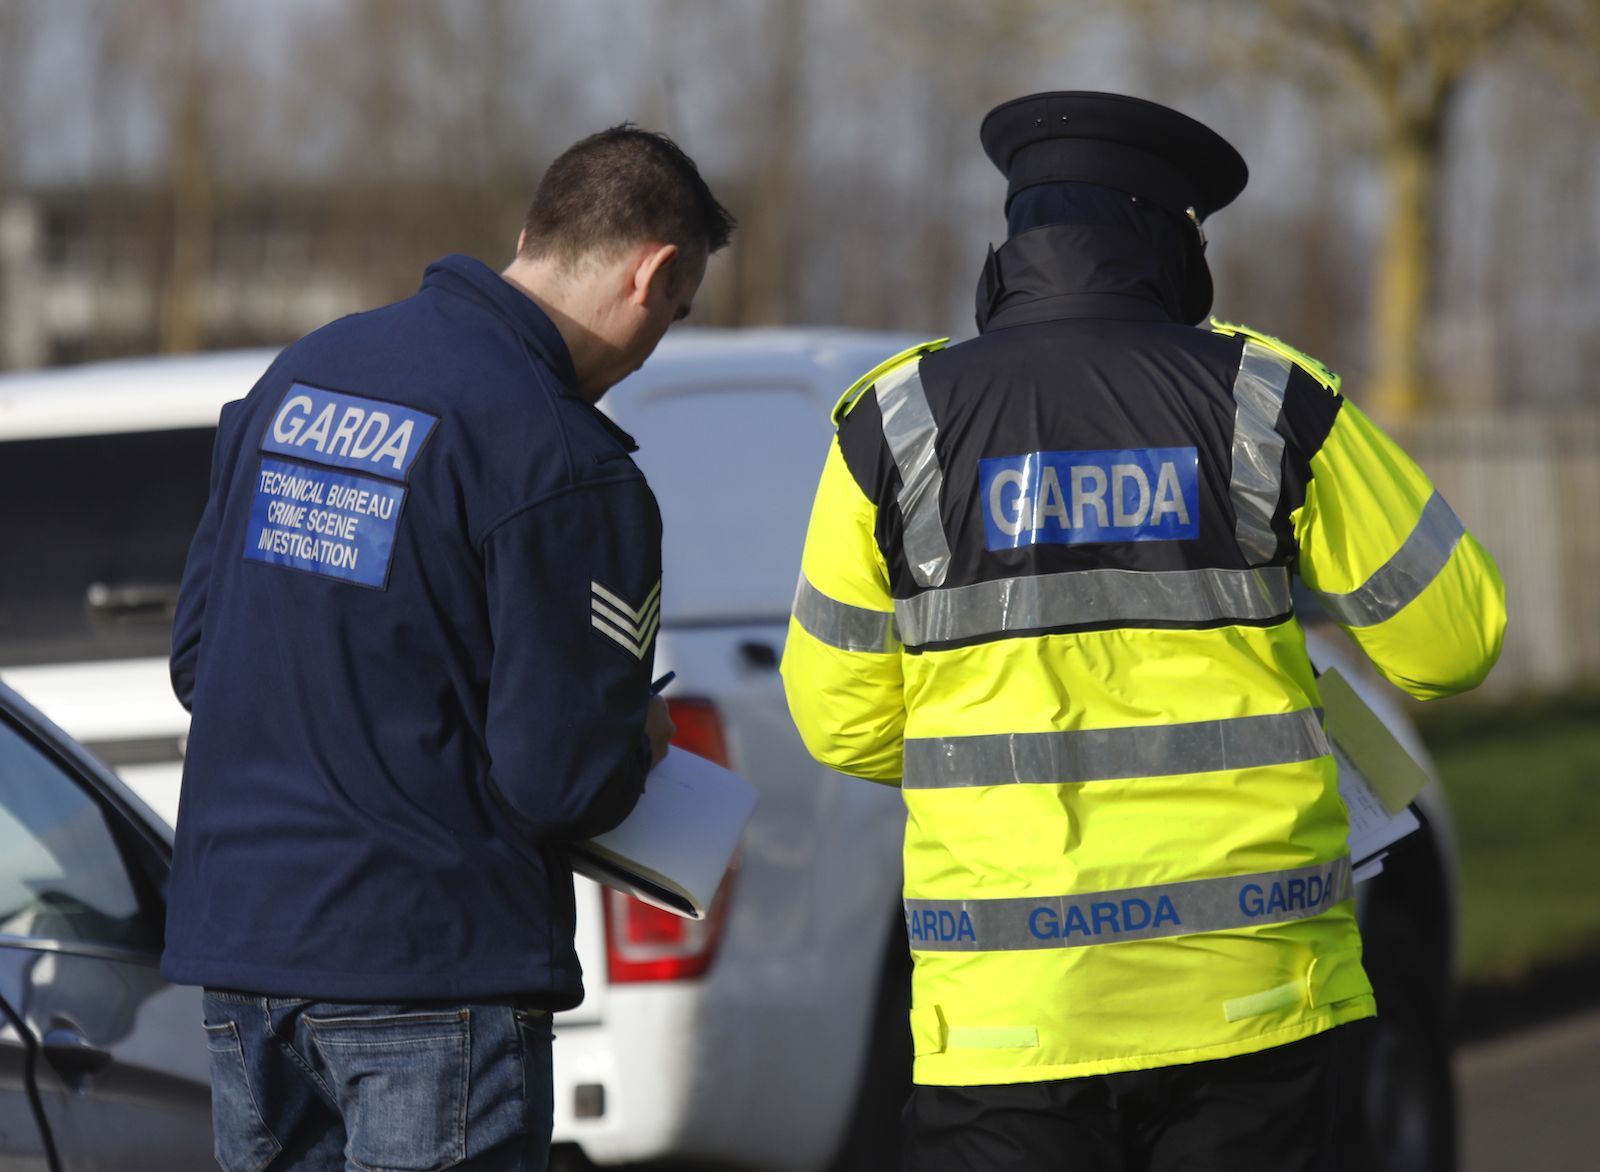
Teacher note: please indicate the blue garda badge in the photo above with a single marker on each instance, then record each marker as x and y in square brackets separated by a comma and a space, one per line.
[1065, 498]
[328, 499]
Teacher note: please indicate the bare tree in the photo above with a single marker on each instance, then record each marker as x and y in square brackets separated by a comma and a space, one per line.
[191, 91]
[439, 140]
[1408, 61]
[1411, 59]
[163, 50]
[766, 275]
[972, 55]
[15, 22]
[19, 341]
[1568, 45]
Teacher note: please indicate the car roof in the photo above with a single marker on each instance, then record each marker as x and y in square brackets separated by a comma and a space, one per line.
[711, 408]
[133, 394]
[188, 390]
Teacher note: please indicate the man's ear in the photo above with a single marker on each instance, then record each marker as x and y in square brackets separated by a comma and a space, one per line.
[654, 271]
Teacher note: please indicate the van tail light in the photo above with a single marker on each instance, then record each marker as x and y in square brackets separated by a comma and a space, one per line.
[644, 943]
[699, 729]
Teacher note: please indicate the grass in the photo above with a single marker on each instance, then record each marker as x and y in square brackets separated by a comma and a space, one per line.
[1523, 780]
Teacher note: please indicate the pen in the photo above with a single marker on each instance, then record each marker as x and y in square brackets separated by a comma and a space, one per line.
[655, 688]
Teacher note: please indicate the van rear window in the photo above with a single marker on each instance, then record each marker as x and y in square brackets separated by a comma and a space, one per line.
[734, 468]
[94, 530]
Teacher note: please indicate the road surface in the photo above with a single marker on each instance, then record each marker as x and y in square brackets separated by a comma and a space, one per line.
[1531, 1102]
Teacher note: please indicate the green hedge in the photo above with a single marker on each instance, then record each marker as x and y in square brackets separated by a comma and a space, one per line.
[1523, 780]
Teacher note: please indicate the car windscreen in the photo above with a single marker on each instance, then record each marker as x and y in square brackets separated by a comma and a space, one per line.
[94, 530]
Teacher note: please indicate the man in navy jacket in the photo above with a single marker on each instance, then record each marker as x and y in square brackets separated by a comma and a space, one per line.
[416, 632]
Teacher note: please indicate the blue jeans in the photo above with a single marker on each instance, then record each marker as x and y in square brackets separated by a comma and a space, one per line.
[378, 1088]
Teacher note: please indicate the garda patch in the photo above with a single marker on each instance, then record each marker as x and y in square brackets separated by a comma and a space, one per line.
[1067, 498]
[333, 508]
[347, 431]
[325, 522]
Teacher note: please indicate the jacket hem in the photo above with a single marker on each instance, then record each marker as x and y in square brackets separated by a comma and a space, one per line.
[978, 1075]
[555, 991]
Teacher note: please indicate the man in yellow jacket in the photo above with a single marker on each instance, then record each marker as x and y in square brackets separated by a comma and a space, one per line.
[1046, 590]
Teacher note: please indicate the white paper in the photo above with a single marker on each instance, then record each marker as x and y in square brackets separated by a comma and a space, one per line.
[1380, 815]
[1372, 827]
[1370, 869]
[1392, 774]
[674, 848]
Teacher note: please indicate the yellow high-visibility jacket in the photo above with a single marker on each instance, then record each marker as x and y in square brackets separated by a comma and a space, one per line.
[1046, 589]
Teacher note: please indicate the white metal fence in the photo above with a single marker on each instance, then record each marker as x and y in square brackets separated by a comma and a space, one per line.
[1527, 484]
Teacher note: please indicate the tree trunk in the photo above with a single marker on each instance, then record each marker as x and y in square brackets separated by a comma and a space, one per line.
[767, 264]
[190, 184]
[1403, 289]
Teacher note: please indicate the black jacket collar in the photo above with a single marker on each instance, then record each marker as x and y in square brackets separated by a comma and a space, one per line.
[1076, 271]
[476, 281]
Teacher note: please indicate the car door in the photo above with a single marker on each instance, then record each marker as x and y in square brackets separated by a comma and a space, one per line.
[120, 1065]
[22, 1146]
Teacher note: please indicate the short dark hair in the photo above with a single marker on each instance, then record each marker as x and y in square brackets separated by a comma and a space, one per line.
[619, 187]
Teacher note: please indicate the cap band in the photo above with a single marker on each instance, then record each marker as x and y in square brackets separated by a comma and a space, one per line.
[1110, 164]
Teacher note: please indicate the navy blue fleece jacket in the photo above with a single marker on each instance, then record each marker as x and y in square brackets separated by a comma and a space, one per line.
[415, 632]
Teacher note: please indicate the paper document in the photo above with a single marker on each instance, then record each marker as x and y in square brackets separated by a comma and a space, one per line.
[1393, 774]
[1372, 827]
[1377, 777]
[674, 848]
[1370, 869]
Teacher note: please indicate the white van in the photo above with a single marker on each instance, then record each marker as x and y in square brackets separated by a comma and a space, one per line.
[773, 1035]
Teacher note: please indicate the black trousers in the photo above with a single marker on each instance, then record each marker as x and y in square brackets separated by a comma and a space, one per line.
[1272, 1110]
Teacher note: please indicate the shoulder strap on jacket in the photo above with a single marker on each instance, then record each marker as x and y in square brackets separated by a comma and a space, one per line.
[1300, 358]
[863, 384]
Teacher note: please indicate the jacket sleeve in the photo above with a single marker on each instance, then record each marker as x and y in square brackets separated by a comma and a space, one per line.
[1394, 566]
[189, 617]
[574, 596]
[841, 662]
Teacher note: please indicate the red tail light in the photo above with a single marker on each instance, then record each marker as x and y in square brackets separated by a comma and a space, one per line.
[699, 729]
[644, 943]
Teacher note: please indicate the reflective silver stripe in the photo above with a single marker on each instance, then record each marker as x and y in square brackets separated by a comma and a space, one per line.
[1404, 576]
[910, 431]
[1104, 754]
[838, 624]
[1134, 913]
[1257, 478]
[1093, 596]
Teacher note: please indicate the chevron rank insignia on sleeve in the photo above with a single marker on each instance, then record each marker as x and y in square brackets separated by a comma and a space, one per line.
[631, 628]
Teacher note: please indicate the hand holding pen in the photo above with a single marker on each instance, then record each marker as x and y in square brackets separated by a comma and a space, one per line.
[658, 724]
